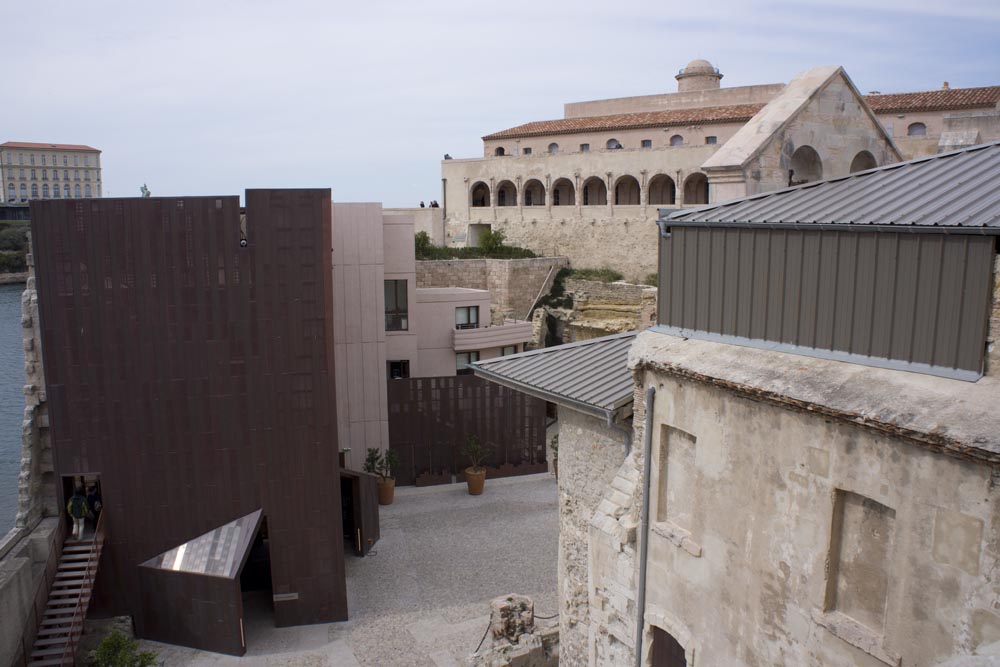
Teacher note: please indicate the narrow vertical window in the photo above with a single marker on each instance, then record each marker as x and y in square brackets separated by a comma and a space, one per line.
[396, 311]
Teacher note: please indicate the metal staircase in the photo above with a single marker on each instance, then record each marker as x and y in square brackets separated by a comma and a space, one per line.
[62, 622]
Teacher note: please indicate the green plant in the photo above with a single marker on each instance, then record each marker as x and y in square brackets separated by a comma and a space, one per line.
[651, 279]
[117, 650]
[379, 463]
[476, 452]
[491, 247]
[604, 275]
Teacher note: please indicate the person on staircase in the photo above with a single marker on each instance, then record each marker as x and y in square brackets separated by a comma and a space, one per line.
[77, 509]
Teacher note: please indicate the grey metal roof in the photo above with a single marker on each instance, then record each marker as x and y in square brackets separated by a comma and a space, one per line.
[955, 192]
[591, 376]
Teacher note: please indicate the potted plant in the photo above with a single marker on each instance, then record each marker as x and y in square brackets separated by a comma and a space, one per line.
[475, 476]
[554, 446]
[381, 464]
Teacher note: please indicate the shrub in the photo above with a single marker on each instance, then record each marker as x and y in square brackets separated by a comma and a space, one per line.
[12, 261]
[117, 650]
[651, 279]
[491, 247]
[604, 275]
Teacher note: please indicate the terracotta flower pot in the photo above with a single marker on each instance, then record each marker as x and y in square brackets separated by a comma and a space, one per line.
[476, 479]
[386, 491]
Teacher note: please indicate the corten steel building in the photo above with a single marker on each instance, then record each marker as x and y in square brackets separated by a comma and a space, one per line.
[189, 368]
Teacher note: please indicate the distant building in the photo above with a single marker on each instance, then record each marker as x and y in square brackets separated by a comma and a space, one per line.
[49, 171]
[589, 185]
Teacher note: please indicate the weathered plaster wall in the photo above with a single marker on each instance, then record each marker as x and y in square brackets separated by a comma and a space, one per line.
[513, 283]
[430, 220]
[601, 309]
[743, 506]
[993, 335]
[590, 454]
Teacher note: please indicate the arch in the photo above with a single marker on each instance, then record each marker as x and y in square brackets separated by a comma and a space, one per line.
[533, 193]
[696, 189]
[45, 190]
[626, 191]
[916, 130]
[677, 140]
[499, 152]
[24, 191]
[76, 190]
[661, 191]
[87, 190]
[613, 144]
[506, 194]
[863, 161]
[806, 166]
[479, 194]
[553, 147]
[595, 192]
[34, 190]
[66, 191]
[563, 193]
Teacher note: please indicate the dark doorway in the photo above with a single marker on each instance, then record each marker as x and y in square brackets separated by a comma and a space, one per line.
[359, 504]
[667, 651]
[256, 588]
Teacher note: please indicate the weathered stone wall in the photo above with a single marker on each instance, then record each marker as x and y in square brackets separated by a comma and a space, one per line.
[590, 454]
[28, 561]
[601, 309]
[748, 562]
[993, 337]
[514, 284]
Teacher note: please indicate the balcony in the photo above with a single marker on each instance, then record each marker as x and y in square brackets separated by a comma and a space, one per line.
[511, 332]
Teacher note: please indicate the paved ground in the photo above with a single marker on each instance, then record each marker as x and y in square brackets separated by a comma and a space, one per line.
[422, 596]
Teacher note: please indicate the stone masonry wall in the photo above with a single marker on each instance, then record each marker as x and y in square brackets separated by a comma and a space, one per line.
[993, 339]
[601, 309]
[589, 457]
[513, 283]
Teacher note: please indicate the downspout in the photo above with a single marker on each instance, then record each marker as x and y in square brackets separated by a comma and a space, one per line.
[644, 526]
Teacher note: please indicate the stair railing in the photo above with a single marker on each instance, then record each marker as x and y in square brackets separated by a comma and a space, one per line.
[80, 611]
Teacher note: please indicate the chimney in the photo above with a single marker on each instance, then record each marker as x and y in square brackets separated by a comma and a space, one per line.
[944, 86]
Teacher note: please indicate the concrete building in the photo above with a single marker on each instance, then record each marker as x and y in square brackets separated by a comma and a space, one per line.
[812, 481]
[587, 185]
[388, 328]
[49, 171]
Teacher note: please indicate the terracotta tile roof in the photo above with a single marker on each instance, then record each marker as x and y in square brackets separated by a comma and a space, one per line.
[629, 121]
[935, 100]
[36, 146]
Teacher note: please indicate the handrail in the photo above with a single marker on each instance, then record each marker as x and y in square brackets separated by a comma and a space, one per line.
[80, 611]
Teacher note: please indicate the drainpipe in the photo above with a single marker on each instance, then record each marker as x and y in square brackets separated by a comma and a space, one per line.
[644, 526]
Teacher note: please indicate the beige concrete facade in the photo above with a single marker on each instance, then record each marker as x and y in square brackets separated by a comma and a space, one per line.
[531, 180]
[49, 171]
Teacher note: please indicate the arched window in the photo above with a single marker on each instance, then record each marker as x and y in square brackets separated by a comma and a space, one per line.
[76, 191]
[87, 191]
[534, 193]
[506, 194]
[24, 191]
[806, 166]
[45, 190]
[480, 194]
[55, 191]
[499, 151]
[563, 193]
[627, 191]
[34, 190]
[595, 192]
[916, 130]
[677, 140]
[696, 189]
[11, 194]
[662, 191]
[613, 144]
[66, 191]
[863, 161]
[553, 148]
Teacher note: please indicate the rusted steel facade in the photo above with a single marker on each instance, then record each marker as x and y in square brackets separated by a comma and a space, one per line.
[907, 300]
[195, 375]
[430, 420]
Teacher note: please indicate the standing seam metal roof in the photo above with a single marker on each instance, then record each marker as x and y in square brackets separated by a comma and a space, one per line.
[591, 372]
[960, 189]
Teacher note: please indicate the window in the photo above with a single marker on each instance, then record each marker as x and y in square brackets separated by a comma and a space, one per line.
[55, 174]
[31, 159]
[86, 175]
[20, 172]
[76, 190]
[398, 370]
[55, 191]
[508, 349]
[76, 174]
[34, 190]
[647, 143]
[916, 130]
[66, 191]
[24, 191]
[45, 174]
[677, 140]
[711, 140]
[20, 158]
[65, 161]
[396, 313]
[467, 317]
[33, 174]
[45, 190]
[86, 160]
[526, 151]
[584, 148]
[10, 158]
[76, 160]
[462, 361]
[65, 174]
[553, 148]
[613, 144]
[87, 190]
[499, 152]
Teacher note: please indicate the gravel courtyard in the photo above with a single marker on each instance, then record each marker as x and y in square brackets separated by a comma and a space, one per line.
[422, 596]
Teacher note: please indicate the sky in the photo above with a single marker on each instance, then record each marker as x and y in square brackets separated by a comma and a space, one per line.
[212, 97]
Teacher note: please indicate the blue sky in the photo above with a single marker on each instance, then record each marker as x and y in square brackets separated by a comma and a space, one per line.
[212, 97]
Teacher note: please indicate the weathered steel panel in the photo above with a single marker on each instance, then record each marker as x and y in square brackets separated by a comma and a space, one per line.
[196, 376]
[918, 299]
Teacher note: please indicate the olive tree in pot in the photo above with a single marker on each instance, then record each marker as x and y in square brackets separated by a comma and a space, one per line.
[381, 464]
[475, 476]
